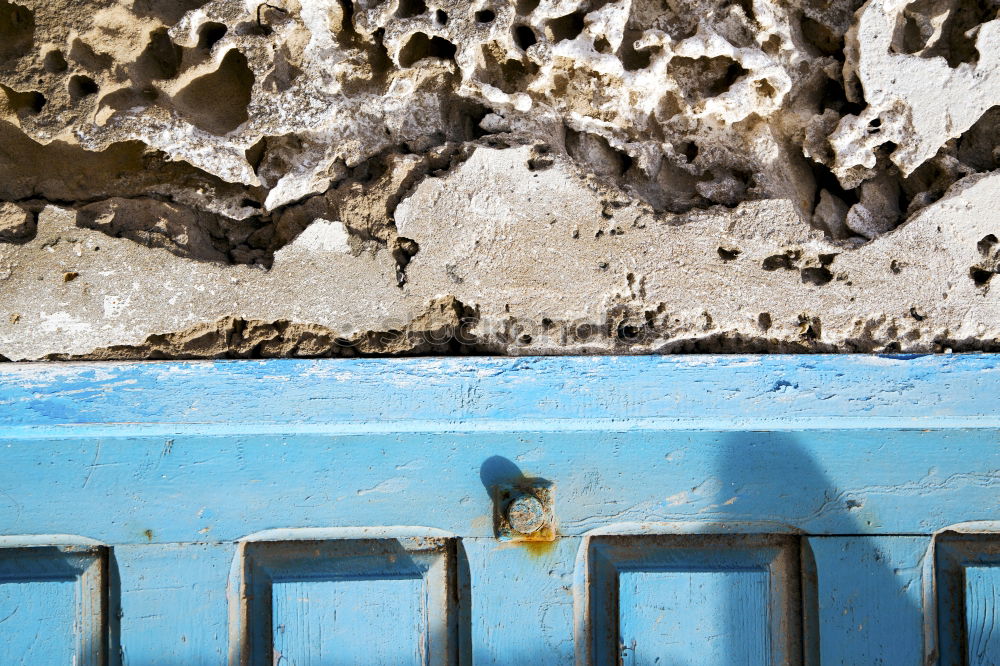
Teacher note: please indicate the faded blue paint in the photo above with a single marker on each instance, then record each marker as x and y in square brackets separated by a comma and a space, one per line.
[693, 599]
[173, 465]
[731, 392]
[690, 617]
[870, 609]
[172, 604]
[50, 606]
[189, 488]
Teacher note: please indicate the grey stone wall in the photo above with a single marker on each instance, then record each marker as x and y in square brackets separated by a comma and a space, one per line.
[188, 179]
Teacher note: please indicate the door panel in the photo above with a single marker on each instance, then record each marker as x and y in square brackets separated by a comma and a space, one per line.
[982, 635]
[967, 576]
[348, 601]
[52, 605]
[695, 510]
[694, 617]
[695, 599]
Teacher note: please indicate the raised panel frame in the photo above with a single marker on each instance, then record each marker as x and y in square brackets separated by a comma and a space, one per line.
[778, 556]
[86, 567]
[966, 572]
[434, 563]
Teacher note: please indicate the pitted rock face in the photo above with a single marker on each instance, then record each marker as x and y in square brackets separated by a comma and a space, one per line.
[216, 131]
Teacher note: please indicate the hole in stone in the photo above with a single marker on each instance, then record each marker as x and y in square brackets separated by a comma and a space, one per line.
[987, 244]
[704, 77]
[979, 146]
[255, 153]
[811, 328]
[410, 8]
[602, 45]
[776, 261]
[834, 97]
[81, 86]
[980, 276]
[628, 332]
[631, 58]
[565, 27]
[816, 276]
[764, 320]
[378, 55]
[23, 103]
[161, 59]
[525, 7]
[765, 88]
[507, 75]
[17, 30]
[942, 28]
[772, 45]
[747, 7]
[168, 11]
[728, 254]
[82, 53]
[210, 33]
[420, 47]
[217, 102]
[485, 16]
[826, 41]
[347, 35]
[595, 151]
[827, 182]
[689, 149]
[55, 62]
[441, 17]
[524, 37]
[267, 17]
[124, 99]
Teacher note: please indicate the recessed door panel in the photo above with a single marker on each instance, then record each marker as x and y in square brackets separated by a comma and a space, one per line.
[982, 626]
[350, 621]
[52, 606]
[711, 617]
[967, 580]
[712, 600]
[347, 601]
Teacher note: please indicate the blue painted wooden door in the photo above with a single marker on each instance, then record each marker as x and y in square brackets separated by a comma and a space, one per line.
[675, 511]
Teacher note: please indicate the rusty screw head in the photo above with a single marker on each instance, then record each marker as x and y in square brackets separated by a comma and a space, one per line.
[526, 514]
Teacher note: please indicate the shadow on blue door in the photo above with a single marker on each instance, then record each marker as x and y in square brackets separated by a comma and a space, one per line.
[849, 605]
[856, 603]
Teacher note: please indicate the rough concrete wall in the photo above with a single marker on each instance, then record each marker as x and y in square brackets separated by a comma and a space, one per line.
[191, 178]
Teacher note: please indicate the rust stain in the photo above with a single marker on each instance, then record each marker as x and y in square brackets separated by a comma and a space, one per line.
[148, 534]
[537, 549]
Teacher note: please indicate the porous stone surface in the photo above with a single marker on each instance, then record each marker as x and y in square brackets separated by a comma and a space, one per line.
[224, 178]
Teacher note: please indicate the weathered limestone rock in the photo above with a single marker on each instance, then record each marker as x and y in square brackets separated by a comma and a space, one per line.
[205, 178]
[15, 222]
